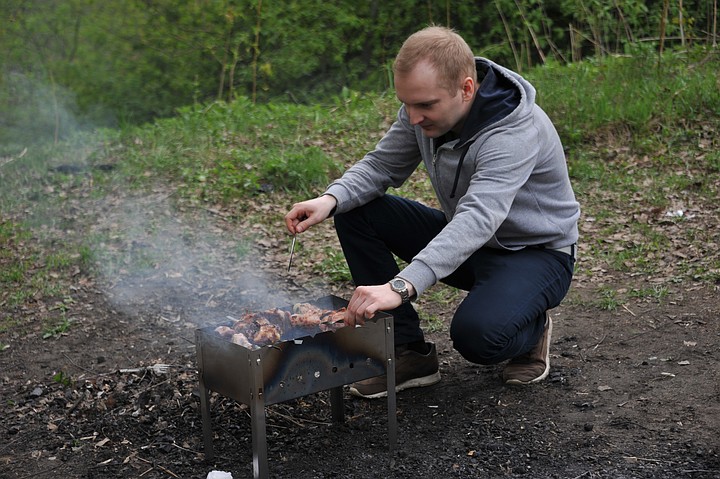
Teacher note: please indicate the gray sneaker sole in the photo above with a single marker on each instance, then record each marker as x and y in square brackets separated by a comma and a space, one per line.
[410, 383]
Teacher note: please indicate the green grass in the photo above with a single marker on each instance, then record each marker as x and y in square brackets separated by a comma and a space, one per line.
[633, 94]
[222, 151]
[439, 294]
[32, 272]
[57, 329]
[655, 293]
[57, 326]
[332, 265]
[609, 299]
[641, 139]
[432, 323]
[62, 378]
[13, 274]
[13, 269]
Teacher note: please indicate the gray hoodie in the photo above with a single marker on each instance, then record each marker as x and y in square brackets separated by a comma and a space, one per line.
[502, 184]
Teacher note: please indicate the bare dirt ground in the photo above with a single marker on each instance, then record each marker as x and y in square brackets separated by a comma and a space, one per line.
[634, 391]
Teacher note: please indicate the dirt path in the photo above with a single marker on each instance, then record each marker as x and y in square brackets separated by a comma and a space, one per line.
[634, 391]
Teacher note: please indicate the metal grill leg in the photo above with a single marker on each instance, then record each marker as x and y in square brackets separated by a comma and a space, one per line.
[207, 429]
[257, 420]
[337, 404]
[204, 404]
[390, 374]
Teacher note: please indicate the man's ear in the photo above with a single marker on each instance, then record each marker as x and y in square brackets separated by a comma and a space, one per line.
[468, 89]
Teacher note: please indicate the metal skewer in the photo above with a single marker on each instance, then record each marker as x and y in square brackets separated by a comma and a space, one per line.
[292, 251]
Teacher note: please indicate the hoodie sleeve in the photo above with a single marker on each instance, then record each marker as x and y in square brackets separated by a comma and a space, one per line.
[393, 160]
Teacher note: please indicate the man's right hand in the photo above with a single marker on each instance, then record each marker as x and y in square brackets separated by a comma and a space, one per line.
[308, 213]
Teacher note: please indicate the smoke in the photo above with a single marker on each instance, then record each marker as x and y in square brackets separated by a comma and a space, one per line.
[176, 266]
[150, 258]
[34, 111]
[168, 262]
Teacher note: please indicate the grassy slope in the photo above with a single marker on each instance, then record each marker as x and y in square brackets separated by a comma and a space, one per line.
[643, 155]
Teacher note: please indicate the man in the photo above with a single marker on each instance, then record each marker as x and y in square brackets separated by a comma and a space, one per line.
[508, 226]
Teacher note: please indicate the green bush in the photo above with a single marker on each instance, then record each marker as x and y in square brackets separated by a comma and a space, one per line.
[641, 94]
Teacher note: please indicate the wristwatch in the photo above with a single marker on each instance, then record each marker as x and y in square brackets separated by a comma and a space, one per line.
[400, 287]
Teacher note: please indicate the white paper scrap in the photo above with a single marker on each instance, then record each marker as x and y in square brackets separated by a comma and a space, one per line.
[219, 475]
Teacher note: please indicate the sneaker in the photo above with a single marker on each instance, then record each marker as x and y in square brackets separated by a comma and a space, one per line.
[534, 365]
[412, 370]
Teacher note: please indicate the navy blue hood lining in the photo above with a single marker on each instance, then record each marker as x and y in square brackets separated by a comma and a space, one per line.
[495, 99]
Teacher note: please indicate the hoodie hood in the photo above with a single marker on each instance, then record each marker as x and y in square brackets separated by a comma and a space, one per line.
[496, 97]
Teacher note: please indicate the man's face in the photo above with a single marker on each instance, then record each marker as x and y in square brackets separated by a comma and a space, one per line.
[430, 105]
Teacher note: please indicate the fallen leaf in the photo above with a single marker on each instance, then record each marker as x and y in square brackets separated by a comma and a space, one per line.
[102, 443]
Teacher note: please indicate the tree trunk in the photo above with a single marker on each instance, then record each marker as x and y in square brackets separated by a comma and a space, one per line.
[518, 67]
[663, 20]
[714, 29]
[256, 52]
[680, 22]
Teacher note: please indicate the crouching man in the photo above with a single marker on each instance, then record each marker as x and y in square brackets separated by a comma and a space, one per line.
[506, 230]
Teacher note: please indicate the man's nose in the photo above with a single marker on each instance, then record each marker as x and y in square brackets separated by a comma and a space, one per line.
[415, 117]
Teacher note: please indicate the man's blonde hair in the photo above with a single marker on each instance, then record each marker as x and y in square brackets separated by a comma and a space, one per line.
[444, 49]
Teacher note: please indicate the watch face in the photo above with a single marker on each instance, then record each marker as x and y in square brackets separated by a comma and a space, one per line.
[398, 284]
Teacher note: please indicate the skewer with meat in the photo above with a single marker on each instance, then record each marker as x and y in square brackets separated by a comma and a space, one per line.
[225, 331]
[332, 320]
[271, 316]
[333, 316]
[267, 334]
[242, 340]
[257, 329]
[308, 315]
[305, 315]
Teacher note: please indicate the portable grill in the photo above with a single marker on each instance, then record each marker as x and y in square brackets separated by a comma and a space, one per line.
[293, 368]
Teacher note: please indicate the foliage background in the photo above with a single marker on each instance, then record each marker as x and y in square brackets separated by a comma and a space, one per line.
[66, 64]
[239, 108]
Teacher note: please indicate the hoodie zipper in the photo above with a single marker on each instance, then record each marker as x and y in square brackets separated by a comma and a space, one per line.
[458, 169]
[436, 149]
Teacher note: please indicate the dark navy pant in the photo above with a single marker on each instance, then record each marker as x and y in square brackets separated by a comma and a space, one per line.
[502, 315]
